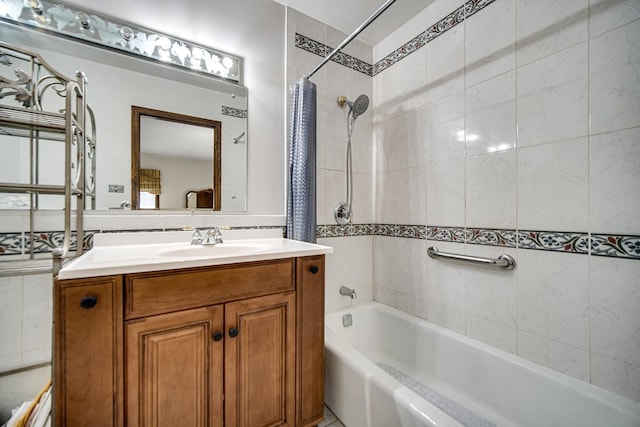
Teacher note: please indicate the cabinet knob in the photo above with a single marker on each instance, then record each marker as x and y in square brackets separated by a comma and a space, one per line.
[88, 301]
[218, 335]
[314, 269]
[233, 332]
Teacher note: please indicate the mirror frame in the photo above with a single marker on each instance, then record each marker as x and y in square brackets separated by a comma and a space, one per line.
[215, 125]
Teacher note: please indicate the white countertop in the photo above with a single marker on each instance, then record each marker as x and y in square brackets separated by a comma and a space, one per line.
[122, 253]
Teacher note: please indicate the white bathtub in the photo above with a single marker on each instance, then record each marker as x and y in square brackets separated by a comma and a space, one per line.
[481, 385]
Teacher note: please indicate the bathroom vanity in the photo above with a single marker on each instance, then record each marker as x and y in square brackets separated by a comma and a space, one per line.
[180, 335]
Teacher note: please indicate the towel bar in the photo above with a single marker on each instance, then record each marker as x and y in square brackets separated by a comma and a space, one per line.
[506, 262]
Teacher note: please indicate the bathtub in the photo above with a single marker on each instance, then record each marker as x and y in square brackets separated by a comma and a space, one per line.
[390, 369]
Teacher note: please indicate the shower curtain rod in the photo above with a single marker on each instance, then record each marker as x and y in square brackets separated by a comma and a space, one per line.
[353, 35]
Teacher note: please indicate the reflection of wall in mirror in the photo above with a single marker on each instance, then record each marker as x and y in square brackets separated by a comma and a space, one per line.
[233, 155]
[111, 93]
[177, 179]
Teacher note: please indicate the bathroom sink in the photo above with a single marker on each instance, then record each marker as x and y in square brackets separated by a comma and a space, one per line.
[119, 253]
[219, 250]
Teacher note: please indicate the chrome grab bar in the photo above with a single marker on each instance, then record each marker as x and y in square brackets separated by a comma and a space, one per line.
[506, 262]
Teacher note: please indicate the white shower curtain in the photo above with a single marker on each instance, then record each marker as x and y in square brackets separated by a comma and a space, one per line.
[301, 196]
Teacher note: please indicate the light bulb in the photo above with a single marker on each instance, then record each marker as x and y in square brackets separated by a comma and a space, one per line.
[227, 62]
[126, 33]
[164, 43]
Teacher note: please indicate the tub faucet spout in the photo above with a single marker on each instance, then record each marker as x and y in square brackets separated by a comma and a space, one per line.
[348, 292]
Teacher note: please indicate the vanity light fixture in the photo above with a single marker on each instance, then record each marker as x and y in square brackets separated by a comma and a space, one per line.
[89, 27]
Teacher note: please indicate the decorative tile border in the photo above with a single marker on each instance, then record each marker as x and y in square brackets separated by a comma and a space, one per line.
[11, 243]
[608, 245]
[621, 246]
[43, 242]
[442, 26]
[320, 49]
[447, 234]
[399, 230]
[554, 241]
[454, 18]
[349, 230]
[234, 112]
[400, 53]
[491, 237]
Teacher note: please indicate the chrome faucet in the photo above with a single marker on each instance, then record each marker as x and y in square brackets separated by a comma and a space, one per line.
[348, 292]
[213, 236]
[196, 237]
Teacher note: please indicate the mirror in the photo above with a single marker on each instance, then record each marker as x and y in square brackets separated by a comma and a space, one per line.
[175, 158]
[116, 83]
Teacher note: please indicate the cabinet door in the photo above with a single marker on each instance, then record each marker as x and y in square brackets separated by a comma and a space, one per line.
[310, 292]
[174, 369]
[88, 383]
[260, 361]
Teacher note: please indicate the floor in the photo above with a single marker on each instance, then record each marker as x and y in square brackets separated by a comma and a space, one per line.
[330, 420]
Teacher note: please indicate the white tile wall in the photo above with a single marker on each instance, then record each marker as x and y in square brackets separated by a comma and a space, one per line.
[545, 27]
[25, 329]
[452, 318]
[492, 333]
[491, 190]
[25, 337]
[445, 64]
[399, 137]
[614, 89]
[10, 222]
[491, 294]
[555, 355]
[446, 193]
[490, 49]
[446, 141]
[491, 129]
[553, 186]
[619, 377]
[615, 324]
[398, 264]
[553, 97]
[553, 301]
[532, 120]
[446, 280]
[11, 322]
[605, 16]
[349, 265]
[614, 169]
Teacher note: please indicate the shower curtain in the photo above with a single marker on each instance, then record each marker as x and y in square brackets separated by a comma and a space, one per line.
[301, 196]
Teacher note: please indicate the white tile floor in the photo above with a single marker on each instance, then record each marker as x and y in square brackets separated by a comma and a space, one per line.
[330, 420]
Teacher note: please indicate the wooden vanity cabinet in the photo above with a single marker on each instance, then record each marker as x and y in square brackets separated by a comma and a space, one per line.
[260, 361]
[174, 369]
[88, 352]
[310, 340]
[232, 345]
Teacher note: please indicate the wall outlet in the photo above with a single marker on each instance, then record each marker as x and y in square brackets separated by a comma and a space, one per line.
[114, 188]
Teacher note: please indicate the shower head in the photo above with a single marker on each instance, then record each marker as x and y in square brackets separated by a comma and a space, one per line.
[358, 107]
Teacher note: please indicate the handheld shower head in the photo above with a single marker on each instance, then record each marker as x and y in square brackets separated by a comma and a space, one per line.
[358, 107]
